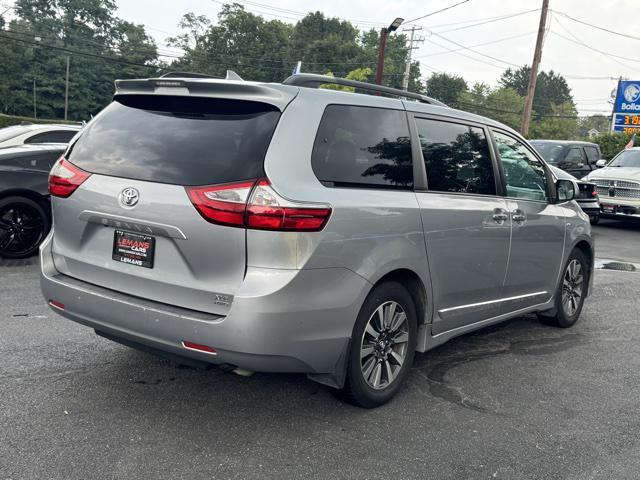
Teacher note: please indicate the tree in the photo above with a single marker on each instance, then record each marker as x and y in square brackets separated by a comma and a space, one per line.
[254, 48]
[601, 123]
[446, 88]
[551, 88]
[101, 47]
[611, 143]
[561, 124]
[359, 74]
[501, 104]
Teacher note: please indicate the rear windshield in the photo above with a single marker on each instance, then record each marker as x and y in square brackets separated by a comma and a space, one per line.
[177, 140]
[551, 152]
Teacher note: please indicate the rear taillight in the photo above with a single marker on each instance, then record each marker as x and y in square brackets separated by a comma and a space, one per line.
[65, 178]
[256, 205]
[594, 193]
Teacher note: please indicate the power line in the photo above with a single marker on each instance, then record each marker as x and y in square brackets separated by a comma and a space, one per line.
[437, 11]
[464, 47]
[486, 21]
[82, 54]
[626, 35]
[580, 42]
[504, 39]
[595, 49]
[458, 52]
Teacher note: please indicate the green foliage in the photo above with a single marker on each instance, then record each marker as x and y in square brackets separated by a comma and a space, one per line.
[602, 123]
[551, 88]
[34, 49]
[359, 74]
[263, 50]
[612, 143]
[501, 104]
[562, 124]
[8, 120]
[446, 88]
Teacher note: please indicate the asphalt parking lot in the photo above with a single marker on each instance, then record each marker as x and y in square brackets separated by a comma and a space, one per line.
[516, 401]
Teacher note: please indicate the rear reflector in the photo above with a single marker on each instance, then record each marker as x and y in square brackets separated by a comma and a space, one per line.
[256, 205]
[65, 178]
[199, 348]
[56, 304]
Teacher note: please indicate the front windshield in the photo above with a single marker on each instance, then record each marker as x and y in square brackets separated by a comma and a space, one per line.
[551, 152]
[10, 132]
[626, 158]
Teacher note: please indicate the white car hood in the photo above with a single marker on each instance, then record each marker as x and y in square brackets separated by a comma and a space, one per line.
[620, 173]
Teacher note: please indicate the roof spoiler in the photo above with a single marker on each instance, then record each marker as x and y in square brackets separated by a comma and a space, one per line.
[231, 88]
[311, 80]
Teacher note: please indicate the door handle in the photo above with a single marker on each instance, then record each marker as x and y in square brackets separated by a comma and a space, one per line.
[500, 215]
[518, 216]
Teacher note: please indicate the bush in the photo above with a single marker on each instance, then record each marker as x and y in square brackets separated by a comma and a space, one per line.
[612, 143]
[8, 120]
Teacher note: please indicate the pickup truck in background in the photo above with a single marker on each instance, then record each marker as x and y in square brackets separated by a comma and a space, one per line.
[576, 158]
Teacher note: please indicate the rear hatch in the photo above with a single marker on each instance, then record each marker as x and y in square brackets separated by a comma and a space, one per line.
[131, 225]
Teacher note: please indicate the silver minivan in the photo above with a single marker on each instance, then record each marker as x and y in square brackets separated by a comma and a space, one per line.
[288, 228]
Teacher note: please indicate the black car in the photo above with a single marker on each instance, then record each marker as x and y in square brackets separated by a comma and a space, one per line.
[576, 158]
[25, 211]
[587, 197]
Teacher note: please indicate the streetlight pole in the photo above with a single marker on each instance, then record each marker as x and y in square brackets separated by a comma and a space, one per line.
[383, 42]
[380, 67]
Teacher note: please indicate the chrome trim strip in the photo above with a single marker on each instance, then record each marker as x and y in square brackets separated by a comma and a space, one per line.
[478, 306]
[132, 224]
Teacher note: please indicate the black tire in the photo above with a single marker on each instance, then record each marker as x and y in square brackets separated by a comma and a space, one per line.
[24, 223]
[567, 312]
[594, 219]
[357, 390]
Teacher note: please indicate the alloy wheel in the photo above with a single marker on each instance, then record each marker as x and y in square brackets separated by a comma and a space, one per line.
[384, 345]
[21, 229]
[572, 285]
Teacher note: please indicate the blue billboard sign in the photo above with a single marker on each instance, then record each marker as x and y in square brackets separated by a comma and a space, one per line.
[626, 109]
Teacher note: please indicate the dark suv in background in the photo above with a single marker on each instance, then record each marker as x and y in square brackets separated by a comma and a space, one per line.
[576, 158]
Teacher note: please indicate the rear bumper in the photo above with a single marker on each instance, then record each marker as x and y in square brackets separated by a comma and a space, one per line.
[590, 207]
[279, 321]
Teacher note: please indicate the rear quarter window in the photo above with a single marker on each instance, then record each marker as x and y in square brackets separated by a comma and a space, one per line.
[363, 147]
[178, 140]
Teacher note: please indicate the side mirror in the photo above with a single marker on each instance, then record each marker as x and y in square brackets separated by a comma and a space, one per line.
[601, 163]
[565, 190]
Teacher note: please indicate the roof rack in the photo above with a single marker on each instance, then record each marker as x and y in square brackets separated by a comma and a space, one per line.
[311, 80]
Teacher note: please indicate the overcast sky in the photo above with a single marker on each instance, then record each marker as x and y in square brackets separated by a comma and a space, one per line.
[442, 32]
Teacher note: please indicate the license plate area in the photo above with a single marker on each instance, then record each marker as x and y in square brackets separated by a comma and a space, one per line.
[133, 248]
[609, 209]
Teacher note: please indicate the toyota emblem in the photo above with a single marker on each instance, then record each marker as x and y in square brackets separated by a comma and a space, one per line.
[129, 197]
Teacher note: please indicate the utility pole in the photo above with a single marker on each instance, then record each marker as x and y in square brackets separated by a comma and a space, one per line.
[533, 77]
[35, 111]
[66, 91]
[407, 70]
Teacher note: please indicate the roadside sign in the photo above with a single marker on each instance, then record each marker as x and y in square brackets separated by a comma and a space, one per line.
[626, 108]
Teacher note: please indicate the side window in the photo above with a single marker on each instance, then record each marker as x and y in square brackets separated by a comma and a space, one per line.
[456, 157]
[363, 146]
[56, 136]
[575, 156]
[524, 173]
[592, 154]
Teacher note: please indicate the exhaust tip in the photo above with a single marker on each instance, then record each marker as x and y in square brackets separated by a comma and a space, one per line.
[242, 372]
